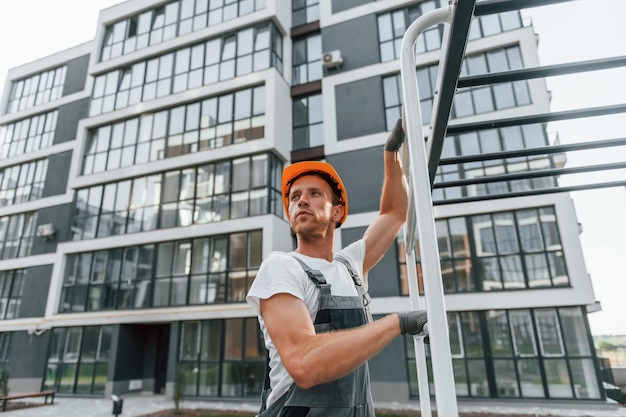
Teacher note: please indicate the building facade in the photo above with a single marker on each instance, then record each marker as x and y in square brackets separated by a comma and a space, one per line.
[140, 191]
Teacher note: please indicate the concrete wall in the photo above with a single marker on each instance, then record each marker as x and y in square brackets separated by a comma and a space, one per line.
[354, 54]
[619, 373]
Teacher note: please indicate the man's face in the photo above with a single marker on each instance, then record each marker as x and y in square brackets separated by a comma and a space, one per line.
[311, 210]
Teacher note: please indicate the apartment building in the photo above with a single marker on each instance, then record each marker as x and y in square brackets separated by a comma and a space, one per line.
[140, 191]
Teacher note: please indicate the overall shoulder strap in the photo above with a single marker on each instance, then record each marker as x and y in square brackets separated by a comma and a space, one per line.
[358, 283]
[351, 271]
[316, 276]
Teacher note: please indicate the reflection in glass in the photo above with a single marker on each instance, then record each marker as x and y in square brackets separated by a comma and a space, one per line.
[506, 378]
[574, 330]
[559, 384]
[584, 379]
[530, 378]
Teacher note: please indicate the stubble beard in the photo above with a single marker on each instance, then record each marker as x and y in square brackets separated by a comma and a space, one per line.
[312, 229]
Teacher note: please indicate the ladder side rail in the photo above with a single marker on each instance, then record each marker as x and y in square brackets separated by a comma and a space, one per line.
[418, 341]
[445, 395]
[410, 231]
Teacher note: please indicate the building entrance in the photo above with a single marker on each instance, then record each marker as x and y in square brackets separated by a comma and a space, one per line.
[142, 358]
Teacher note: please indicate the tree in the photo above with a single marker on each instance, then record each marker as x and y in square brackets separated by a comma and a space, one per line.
[4, 382]
[179, 387]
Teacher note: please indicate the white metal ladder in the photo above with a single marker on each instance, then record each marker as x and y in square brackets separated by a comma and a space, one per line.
[421, 223]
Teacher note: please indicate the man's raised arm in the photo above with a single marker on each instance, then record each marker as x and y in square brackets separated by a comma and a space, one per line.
[393, 203]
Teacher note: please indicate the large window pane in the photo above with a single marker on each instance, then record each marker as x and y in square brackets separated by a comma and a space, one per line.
[231, 360]
[506, 378]
[584, 378]
[522, 333]
[530, 378]
[575, 331]
[559, 385]
[71, 373]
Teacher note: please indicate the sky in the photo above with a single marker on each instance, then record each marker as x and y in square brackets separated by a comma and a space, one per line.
[32, 29]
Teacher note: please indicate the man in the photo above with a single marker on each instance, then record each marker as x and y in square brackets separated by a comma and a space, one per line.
[309, 301]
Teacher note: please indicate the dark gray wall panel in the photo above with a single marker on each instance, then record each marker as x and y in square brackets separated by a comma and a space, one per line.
[58, 171]
[342, 37]
[28, 355]
[384, 278]
[67, 122]
[362, 173]
[35, 294]
[172, 357]
[60, 217]
[339, 6]
[349, 236]
[76, 75]
[360, 108]
[390, 364]
[115, 352]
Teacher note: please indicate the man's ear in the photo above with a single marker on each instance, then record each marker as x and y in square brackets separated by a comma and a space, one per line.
[338, 212]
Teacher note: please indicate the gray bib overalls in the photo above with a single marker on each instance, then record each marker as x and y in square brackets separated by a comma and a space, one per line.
[347, 396]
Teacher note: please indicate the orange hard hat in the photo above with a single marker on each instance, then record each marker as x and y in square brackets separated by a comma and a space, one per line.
[323, 170]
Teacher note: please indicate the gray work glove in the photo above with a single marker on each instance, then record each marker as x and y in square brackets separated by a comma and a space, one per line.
[396, 137]
[413, 323]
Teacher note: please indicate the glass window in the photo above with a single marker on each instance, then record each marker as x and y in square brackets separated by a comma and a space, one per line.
[232, 55]
[37, 89]
[11, 291]
[499, 333]
[5, 343]
[559, 383]
[308, 122]
[17, 233]
[304, 11]
[549, 333]
[584, 378]
[576, 335]
[307, 59]
[488, 141]
[517, 368]
[496, 23]
[21, 183]
[503, 251]
[78, 360]
[392, 25]
[530, 378]
[217, 269]
[222, 358]
[177, 131]
[522, 333]
[496, 96]
[27, 135]
[170, 200]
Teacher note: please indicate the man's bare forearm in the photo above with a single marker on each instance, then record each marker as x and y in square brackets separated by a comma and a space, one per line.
[329, 356]
[394, 197]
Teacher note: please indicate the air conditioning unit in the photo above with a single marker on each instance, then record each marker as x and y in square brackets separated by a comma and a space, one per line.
[46, 231]
[332, 59]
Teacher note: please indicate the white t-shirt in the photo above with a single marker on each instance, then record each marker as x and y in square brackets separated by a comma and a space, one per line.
[280, 273]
